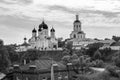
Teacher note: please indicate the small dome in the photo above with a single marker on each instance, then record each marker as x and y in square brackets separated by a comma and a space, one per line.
[25, 38]
[39, 29]
[52, 30]
[43, 25]
[34, 30]
[77, 21]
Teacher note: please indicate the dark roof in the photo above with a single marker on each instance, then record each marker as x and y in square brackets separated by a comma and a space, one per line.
[48, 38]
[25, 38]
[42, 64]
[34, 30]
[52, 30]
[39, 29]
[80, 32]
[25, 44]
[77, 21]
[43, 25]
[115, 44]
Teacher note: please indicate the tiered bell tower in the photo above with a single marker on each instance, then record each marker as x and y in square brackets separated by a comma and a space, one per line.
[77, 24]
[77, 32]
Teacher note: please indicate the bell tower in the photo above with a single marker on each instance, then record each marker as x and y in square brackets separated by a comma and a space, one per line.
[77, 24]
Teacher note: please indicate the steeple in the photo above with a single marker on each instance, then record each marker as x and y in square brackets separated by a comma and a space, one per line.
[34, 30]
[52, 32]
[77, 24]
[77, 17]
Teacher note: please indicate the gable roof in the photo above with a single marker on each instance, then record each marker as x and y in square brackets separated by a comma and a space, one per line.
[43, 64]
[25, 44]
[115, 44]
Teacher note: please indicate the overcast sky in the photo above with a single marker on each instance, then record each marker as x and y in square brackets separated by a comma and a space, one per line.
[100, 18]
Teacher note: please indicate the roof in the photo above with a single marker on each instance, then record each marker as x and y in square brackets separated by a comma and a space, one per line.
[115, 44]
[42, 64]
[25, 44]
[34, 30]
[52, 30]
[106, 41]
[77, 21]
[80, 32]
[43, 25]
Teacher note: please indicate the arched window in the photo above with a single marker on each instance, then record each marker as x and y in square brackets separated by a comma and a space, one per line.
[77, 26]
[74, 36]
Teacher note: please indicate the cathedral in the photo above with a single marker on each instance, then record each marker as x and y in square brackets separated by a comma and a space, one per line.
[41, 40]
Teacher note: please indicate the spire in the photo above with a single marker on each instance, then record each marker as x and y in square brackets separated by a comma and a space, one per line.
[43, 21]
[34, 30]
[52, 30]
[77, 17]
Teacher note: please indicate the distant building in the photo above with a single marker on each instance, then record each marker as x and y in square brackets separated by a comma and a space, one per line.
[113, 46]
[23, 47]
[40, 40]
[77, 32]
[77, 36]
[43, 41]
[78, 39]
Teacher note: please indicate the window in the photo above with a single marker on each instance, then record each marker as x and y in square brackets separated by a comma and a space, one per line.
[74, 36]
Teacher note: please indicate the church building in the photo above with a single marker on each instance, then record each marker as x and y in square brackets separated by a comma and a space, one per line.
[41, 40]
[77, 32]
[77, 36]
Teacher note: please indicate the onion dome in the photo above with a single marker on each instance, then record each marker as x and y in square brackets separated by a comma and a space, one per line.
[43, 25]
[52, 30]
[39, 29]
[25, 38]
[34, 30]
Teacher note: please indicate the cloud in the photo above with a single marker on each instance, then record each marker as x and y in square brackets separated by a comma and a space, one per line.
[24, 15]
[16, 1]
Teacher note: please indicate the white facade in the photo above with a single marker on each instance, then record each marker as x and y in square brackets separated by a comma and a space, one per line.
[77, 36]
[77, 33]
[43, 41]
[40, 40]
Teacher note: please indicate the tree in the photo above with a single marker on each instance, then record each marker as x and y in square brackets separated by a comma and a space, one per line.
[112, 71]
[4, 61]
[69, 47]
[66, 59]
[13, 55]
[106, 54]
[116, 59]
[92, 48]
[81, 62]
[31, 55]
[97, 55]
[98, 63]
[116, 38]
